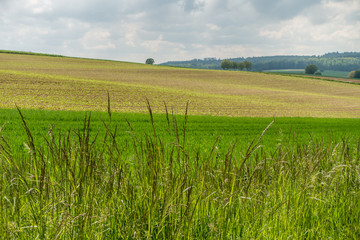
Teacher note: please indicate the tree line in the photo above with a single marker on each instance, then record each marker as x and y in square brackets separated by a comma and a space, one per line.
[324, 63]
[227, 64]
[313, 69]
[347, 61]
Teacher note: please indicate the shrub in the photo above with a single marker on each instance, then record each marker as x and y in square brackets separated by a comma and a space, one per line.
[351, 74]
[357, 73]
[354, 74]
[311, 69]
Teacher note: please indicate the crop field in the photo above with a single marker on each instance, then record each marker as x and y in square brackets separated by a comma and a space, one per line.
[111, 150]
[325, 73]
[340, 74]
[54, 83]
[201, 130]
[171, 177]
[289, 71]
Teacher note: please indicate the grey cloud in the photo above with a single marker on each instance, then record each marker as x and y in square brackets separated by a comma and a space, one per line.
[4, 4]
[354, 16]
[192, 5]
[321, 14]
[88, 11]
[282, 9]
[132, 30]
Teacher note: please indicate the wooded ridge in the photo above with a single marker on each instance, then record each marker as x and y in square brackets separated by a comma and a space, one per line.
[347, 61]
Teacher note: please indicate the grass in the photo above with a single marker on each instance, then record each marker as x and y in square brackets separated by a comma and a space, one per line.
[60, 83]
[287, 71]
[201, 130]
[79, 185]
[325, 73]
[339, 74]
[29, 53]
[121, 174]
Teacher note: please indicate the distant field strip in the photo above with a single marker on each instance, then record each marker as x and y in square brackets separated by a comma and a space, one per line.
[40, 82]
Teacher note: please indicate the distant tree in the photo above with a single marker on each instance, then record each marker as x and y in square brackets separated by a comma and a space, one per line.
[311, 69]
[226, 64]
[150, 61]
[241, 66]
[248, 65]
[234, 65]
[354, 74]
[231, 65]
[351, 74]
[357, 73]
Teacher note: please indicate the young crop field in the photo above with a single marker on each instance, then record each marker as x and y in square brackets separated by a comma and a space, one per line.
[287, 71]
[171, 177]
[339, 74]
[201, 131]
[112, 150]
[325, 73]
[58, 83]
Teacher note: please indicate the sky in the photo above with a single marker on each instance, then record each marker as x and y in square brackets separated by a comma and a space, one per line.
[175, 30]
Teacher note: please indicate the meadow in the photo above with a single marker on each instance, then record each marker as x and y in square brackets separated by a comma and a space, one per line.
[87, 156]
[202, 131]
[176, 180]
[325, 73]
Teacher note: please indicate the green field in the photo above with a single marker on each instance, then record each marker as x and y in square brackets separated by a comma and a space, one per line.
[325, 73]
[70, 168]
[201, 130]
[339, 74]
[147, 179]
[287, 71]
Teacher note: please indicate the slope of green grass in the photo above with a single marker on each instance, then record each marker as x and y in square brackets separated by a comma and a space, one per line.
[202, 131]
[339, 74]
[30, 53]
[325, 73]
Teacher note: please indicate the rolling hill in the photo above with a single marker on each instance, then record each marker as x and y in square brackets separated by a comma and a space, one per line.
[62, 83]
[347, 61]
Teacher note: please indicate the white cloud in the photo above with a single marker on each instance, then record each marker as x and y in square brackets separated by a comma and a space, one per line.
[159, 44]
[288, 30]
[97, 39]
[39, 6]
[321, 29]
[213, 27]
[130, 37]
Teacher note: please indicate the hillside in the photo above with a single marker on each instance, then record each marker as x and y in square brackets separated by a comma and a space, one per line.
[60, 83]
[347, 62]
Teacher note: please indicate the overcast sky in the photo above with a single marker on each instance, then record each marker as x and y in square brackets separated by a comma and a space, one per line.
[167, 30]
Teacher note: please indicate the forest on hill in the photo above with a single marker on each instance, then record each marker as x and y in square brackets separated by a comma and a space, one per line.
[347, 61]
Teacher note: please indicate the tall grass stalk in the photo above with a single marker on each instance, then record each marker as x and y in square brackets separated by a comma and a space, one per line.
[83, 186]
